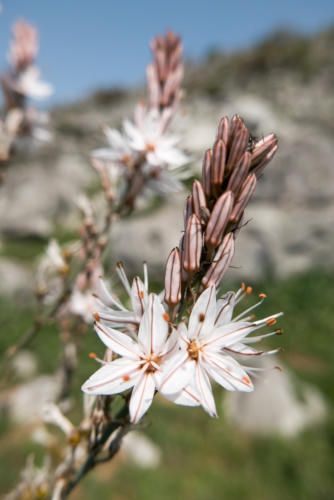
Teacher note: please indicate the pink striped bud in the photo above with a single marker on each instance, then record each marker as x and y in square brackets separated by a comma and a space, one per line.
[218, 220]
[198, 196]
[223, 132]
[221, 262]
[218, 164]
[188, 210]
[262, 148]
[192, 245]
[239, 174]
[262, 164]
[245, 195]
[238, 147]
[173, 278]
[206, 173]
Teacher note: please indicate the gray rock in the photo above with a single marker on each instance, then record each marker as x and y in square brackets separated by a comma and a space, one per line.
[140, 450]
[24, 403]
[274, 406]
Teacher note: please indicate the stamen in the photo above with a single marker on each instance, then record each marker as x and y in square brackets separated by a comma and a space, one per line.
[123, 277]
[262, 295]
[96, 316]
[93, 355]
[246, 311]
[271, 322]
[249, 290]
[165, 317]
[145, 275]
[107, 297]
[201, 317]
[126, 378]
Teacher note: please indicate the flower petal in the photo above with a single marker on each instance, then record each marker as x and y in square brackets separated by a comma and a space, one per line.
[189, 396]
[138, 297]
[114, 377]
[228, 373]
[227, 335]
[141, 397]
[153, 328]
[225, 306]
[118, 342]
[203, 387]
[203, 315]
[177, 372]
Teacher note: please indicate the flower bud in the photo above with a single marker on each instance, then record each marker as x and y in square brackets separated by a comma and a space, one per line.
[206, 173]
[223, 132]
[192, 245]
[262, 148]
[218, 220]
[245, 195]
[173, 278]
[239, 174]
[218, 164]
[261, 165]
[220, 263]
[198, 196]
[238, 146]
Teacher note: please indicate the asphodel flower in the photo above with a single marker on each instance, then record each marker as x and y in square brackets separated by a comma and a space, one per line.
[141, 360]
[208, 347]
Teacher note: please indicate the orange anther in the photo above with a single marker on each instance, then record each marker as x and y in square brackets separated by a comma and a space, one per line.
[249, 290]
[201, 317]
[279, 368]
[93, 355]
[150, 146]
[141, 294]
[243, 287]
[271, 322]
[165, 317]
[96, 316]
[126, 378]
[246, 379]
[262, 295]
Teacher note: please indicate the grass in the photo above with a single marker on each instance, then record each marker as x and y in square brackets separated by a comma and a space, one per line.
[204, 458]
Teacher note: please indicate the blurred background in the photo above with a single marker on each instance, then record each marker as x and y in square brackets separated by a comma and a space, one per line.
[272, 63]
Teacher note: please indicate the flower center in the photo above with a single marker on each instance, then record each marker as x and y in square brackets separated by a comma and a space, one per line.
[193, 350]
[153, 363]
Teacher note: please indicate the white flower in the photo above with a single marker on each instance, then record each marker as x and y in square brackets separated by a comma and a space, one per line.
[148, 136]
[206, 348]
[140, 364]
[28, 83]
[82, 304]
[111, 311]
[119, 151]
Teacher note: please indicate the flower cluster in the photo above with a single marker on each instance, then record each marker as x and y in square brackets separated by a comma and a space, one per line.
[21, 82]
[177, 361]
[144, 155]
[157, 348]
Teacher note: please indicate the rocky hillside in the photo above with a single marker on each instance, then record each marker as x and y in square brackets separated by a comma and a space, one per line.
[283, 85]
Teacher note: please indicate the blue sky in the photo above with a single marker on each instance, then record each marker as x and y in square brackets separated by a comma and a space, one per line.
[90, 44]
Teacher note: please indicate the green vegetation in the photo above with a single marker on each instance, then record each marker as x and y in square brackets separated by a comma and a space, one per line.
[205, 459]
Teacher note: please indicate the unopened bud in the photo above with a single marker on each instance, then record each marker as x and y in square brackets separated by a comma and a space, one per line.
[262, 148]
[218, 220]
[246, 193]
[238, 147]
[223, 132]
[192, 245]
[264, 162]
[199, 200]
[221, 262]
[188, 210]
[218, 164]
[239, 174]
[206, 173]
[173, 278]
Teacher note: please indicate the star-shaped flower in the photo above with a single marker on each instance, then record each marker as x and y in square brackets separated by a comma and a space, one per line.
[206, 348]
[140, 362]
